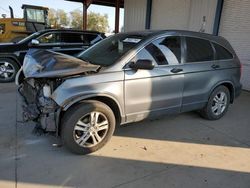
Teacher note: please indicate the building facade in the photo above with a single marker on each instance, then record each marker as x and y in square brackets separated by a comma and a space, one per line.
[227, 18]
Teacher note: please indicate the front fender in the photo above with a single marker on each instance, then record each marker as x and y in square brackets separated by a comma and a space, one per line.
[76, 89]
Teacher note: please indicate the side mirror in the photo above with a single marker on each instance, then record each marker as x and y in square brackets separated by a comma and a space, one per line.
[145, 64]
[34, 42]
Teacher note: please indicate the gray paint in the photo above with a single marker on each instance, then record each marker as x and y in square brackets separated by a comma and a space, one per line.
[145, 93]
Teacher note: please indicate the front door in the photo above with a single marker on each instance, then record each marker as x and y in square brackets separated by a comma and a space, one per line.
[158, 91]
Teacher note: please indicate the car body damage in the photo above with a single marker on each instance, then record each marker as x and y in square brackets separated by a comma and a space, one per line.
[49, 64]
[127, 78]
[43, 71]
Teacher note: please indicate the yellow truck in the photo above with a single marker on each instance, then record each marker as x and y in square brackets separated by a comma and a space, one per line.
[14, 29]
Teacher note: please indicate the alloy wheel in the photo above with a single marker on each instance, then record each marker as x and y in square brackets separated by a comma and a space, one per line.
[91, 129]
[219, 103]
[7, 70]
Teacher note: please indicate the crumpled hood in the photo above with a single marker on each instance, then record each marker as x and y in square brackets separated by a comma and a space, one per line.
[49, 64]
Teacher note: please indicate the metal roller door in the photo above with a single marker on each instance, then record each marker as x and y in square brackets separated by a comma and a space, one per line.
[235, 27]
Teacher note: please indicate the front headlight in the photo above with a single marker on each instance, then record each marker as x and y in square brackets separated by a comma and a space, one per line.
[31, 66]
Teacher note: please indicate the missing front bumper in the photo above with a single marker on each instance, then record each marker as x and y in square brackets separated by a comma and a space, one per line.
[45, 118]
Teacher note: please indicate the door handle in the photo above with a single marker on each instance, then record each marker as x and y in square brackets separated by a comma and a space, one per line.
[176, 70]
[215, 66]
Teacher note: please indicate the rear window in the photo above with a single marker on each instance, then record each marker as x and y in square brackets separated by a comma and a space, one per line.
[198, 50]
[221, 52]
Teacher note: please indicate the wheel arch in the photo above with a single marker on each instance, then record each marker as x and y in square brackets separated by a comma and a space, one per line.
[12, 57]
[108, 100]
[229, 85]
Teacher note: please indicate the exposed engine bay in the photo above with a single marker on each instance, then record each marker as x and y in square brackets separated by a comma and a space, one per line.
[37, 104]
[42, 72]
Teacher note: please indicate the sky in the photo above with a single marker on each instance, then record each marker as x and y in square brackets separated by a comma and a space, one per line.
[59, 4]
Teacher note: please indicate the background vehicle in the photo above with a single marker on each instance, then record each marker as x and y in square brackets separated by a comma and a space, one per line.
[14, 29]
[127, 78]
[66, 41]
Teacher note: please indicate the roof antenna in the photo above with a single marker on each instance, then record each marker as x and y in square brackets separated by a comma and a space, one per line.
[202, 29]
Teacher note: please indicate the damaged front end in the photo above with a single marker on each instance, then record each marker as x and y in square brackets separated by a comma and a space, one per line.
[36, 104]
[42, 73]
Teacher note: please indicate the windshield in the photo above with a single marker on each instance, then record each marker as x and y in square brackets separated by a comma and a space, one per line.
[109, 50]
[35, 15]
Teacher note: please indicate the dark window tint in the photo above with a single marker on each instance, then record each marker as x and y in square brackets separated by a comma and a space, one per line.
[165, 51]
[173, 44]
[221, 52]
[87, 39]
[198, 50]
[157, 54]
[71, 38]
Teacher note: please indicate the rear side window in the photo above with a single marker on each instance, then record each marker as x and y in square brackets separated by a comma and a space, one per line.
[221, 52]
[71, 38]
[198, 50]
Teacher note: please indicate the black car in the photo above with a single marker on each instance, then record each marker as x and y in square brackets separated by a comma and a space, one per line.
[66, 41]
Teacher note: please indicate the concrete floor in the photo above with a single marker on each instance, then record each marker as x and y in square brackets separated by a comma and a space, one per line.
[177, 151]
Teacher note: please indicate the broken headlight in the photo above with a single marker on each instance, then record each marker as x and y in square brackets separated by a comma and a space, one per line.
[31, 66]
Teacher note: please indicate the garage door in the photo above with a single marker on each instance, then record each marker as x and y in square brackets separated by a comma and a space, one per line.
[235, 26]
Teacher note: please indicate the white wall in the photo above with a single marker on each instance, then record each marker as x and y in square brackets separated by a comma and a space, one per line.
[235, 27]
[134, 15]
[198, 9]
[183, 14]
[169, 14]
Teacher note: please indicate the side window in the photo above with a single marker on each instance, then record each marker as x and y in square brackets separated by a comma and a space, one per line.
[166, 51]
[198, 50]
[49, 38]
[163, 51]
[91, 38]
[72, 38]
[174, 45]
[157, 54]
[221, 52]
[143, 54]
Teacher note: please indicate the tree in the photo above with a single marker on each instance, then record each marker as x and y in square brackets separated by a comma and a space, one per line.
[97, 22]
[52, 17]
[76, 19]
[62, 17]
[58, 18]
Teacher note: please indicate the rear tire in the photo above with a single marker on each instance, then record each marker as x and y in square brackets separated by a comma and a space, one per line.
[8, 70]
[87, 127]
[217, 104]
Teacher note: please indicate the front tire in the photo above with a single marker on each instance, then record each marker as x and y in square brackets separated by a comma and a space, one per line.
[8, 70]
[87, 127]
[217, 105]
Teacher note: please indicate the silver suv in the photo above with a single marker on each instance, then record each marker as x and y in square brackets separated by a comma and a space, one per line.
[127, 78]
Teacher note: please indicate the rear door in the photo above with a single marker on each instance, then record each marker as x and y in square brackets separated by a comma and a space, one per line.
[158, 91]
[201, 72]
